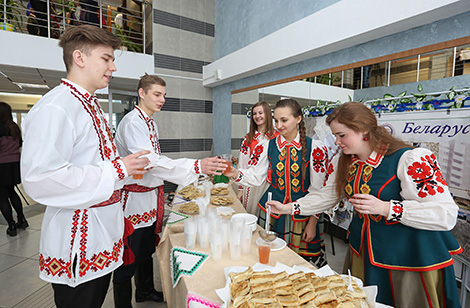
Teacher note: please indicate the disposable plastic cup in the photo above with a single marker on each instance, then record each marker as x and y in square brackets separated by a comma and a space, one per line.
[190, 232]
[225, 230]
[246, 239]
[235, 244]
[227, 162]
[203, 232]
[216, 239]
[138, 176]
[264, 250]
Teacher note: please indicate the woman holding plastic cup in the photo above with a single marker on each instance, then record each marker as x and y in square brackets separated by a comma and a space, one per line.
[298, 165]
[261, 131]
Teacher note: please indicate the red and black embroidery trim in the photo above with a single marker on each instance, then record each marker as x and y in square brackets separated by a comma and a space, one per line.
[397, 210]
[319, 159]
[296, 209]
[118, 167]
[427, 176]
[196, 167]
[152, 130]
[254, 159]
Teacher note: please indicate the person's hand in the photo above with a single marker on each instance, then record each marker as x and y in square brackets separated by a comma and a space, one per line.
[279, 208]
[135, 164]
[310, 230]
[212, 165]
[368, 204]
[232, 173]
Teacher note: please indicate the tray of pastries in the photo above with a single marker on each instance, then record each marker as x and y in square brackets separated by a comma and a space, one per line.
[250, 289]
[189, 208]
[222, 200]
[191, 192]
[219, 191]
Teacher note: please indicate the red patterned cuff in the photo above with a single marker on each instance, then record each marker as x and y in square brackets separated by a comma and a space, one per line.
[240, 177]
[396, 211]
[197, 168]
[295, 209]
[119, 168]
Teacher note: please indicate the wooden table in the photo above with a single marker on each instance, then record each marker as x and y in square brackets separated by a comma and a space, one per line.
[211, 275]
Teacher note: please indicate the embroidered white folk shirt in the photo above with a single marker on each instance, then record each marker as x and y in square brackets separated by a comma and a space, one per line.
[435, 210]
[69, 164]
[137, 132]
[257, 172]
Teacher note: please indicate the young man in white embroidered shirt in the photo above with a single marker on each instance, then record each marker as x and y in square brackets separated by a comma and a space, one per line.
[70, 164]
[144, 202]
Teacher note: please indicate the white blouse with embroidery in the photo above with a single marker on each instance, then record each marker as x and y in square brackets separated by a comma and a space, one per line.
[69, 163]
[257, 173]
[137, 132]
[429, 206]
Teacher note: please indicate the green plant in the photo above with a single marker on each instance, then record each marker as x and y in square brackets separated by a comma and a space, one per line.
[12, 11]
[126, 42]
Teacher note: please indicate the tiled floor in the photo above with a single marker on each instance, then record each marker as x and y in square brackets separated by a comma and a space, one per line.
[20, 285]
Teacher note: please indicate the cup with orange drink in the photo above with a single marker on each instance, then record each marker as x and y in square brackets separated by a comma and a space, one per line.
[138, 176]
[227, 162]
[264, 250]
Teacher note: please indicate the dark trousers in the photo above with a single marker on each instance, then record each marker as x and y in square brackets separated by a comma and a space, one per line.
[90, 294]
[7, 196]
[142, 243]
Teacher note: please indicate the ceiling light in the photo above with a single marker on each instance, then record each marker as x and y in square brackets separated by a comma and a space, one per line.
[31, 85]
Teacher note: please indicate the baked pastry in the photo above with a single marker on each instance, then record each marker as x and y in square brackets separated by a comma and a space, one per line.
[190, 192]
[219, 191]
[221, 200]
[189, 208]
[245, 275]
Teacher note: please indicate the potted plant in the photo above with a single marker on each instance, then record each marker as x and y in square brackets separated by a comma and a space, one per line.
[11, 15]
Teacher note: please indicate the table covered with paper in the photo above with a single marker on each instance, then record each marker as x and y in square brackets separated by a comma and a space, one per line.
[192, 278]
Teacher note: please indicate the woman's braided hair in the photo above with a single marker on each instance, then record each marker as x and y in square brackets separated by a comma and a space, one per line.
[296, 112]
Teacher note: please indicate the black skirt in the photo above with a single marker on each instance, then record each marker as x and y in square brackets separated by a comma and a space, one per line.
[10, 174]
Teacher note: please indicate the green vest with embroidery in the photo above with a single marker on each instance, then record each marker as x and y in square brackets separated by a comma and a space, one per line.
[391, 244]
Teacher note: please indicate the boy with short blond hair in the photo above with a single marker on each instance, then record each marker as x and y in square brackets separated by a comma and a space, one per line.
[71, 165]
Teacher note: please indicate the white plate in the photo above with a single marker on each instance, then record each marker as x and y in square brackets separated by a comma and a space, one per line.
[277, 244]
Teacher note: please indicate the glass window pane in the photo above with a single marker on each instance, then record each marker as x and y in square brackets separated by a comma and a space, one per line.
[403, 70]
[436, 65]
[462, 61]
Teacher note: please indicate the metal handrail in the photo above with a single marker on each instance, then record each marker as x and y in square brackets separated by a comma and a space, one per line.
[57, 19]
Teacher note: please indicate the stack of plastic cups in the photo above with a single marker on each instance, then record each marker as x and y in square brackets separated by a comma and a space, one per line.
[203, 231]
[190, 232]
[236, 232]
[246, 239]
[225, 229]
[216, 239]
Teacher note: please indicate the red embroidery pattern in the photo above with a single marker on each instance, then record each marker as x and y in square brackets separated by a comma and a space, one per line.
[427, 176]
[152, 130]
[329, 171]
[196, 167]
[53, 266]
[244, 148]
[296, 209]
[254, 159]
[319, 159]
[144, 217]
[118, 168]
[397, 211]
[91, 106]
[240, 176]
[115, 198]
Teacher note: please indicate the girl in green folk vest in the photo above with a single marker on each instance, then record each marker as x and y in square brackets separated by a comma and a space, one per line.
[399, 235]
[297, 165]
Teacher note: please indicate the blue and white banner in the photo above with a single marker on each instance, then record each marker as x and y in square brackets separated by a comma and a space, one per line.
[447, 134]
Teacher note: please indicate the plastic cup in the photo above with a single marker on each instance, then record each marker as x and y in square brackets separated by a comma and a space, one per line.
[190, 232]
[264, 250]
[227, 162]
[235, 244]
[138, 176]
[246, 239]
[225, 230]
[216, 239]
[203, 232]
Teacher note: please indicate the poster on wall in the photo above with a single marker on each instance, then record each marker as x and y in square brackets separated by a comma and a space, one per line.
[447, 134]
